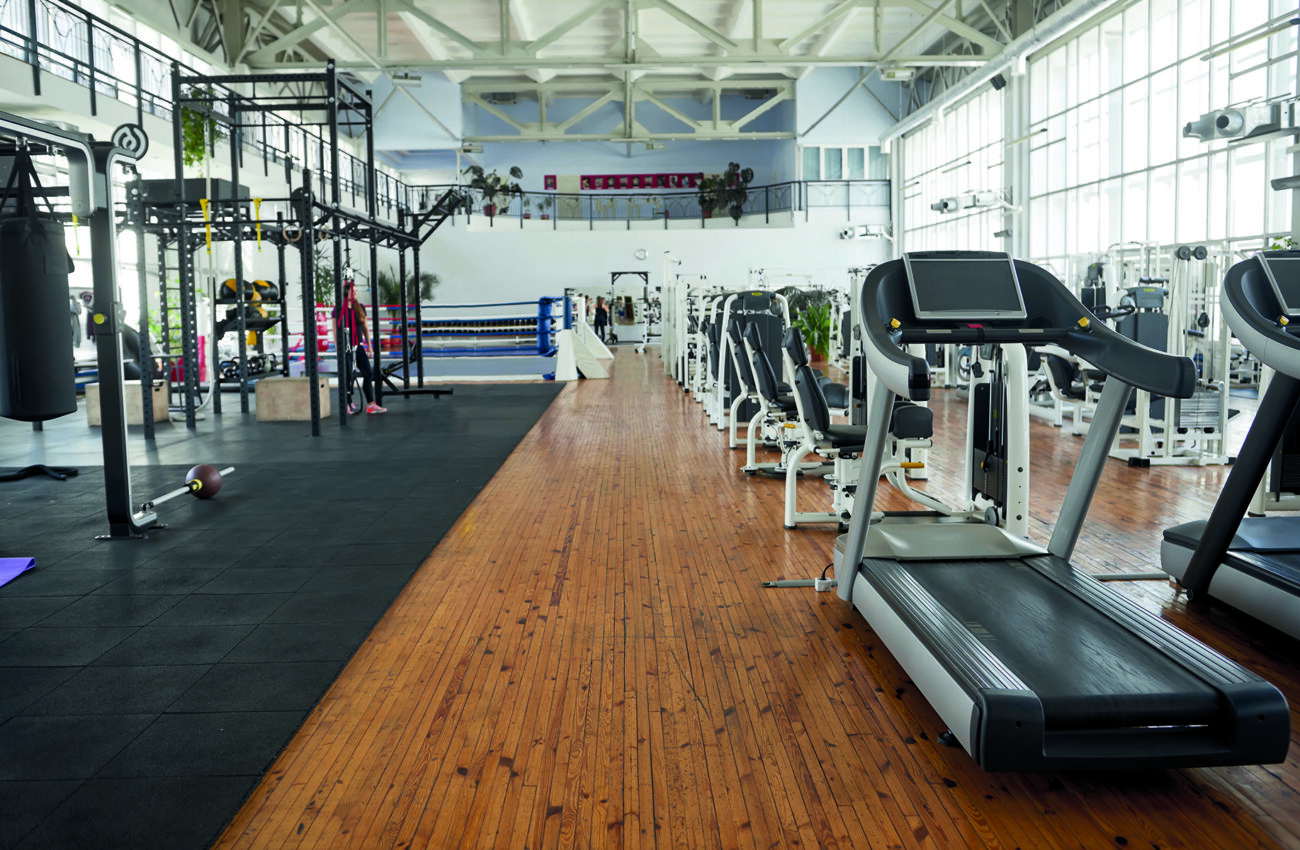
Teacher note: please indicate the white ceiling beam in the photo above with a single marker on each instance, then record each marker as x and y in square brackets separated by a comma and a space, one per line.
[610, 95]
[997, 21]
[307, 30]
[492, 108]
[694, 23]
[735, 14]
[966, 31]
[565, 87]
[255, 31]
[568, 25]
[455, 35]
[772, 101]
[381, 30]
[822, 45]
[764, 63]
[826, 20]
[432, 45]
[538, 135]
[673, 111]
[525, 32]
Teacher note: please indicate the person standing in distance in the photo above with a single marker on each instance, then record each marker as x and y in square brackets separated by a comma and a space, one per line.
[350, 321]
[602, 317]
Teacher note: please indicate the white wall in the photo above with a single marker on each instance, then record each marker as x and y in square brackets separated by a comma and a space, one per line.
[506, 263]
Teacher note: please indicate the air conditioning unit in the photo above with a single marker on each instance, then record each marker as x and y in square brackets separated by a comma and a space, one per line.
[501, 98]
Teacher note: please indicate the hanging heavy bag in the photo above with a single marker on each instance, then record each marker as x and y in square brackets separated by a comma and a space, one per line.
[36, 364]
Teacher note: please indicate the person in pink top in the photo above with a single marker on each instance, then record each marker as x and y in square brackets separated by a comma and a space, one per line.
[350, 322]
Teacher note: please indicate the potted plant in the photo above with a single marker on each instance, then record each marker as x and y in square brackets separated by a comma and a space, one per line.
[544, 204]
[733, 190]
[492, 187]
[726, 191]
[814, 323]
[198, 126]
[707, 186]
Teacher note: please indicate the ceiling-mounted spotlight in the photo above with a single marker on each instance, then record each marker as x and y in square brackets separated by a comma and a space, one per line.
[1241, 122]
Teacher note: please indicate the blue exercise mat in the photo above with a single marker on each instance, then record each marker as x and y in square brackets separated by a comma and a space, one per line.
[11, 568]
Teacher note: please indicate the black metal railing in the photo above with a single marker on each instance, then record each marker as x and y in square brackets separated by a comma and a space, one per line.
[60, 39]
[852, 196]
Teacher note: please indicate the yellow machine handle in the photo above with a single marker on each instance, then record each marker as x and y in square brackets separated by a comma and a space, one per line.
[207, 224]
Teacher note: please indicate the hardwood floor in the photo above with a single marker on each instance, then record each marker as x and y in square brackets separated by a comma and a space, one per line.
[589, 659]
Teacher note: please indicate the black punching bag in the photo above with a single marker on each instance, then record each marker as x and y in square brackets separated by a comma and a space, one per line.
[36, 365]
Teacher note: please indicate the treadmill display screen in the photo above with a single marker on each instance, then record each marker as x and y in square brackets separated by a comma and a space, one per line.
[964, 289]
[1284, 274]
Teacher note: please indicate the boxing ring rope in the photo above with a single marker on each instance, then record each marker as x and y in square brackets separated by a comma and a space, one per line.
[497, 329]
[502, 329]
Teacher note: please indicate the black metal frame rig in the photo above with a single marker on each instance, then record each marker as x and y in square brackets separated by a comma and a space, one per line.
[90, 194]
[177, 227]
[337, 103]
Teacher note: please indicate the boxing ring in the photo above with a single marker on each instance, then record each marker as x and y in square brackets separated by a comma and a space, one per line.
[473, 341]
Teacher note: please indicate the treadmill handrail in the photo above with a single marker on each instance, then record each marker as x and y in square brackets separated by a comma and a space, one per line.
[1251, 309]
[1053, 314]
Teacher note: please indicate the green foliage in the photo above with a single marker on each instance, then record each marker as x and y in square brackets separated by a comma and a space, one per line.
[491, 188]
[198, 127]
[173, 343]
[727, 191]
[323, 263]
[814, 323]
[1286, 243]
[390, 292]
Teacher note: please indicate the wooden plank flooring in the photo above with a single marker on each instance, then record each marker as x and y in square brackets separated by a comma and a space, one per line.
[588, 659]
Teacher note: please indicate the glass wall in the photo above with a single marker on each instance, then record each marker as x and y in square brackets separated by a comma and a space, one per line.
[1107, 160]
[955, 158]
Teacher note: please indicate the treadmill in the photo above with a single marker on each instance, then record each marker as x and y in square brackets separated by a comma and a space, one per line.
[1031, 664]
[1252, 563]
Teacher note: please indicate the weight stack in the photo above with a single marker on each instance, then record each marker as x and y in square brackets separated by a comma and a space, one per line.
[36, 363]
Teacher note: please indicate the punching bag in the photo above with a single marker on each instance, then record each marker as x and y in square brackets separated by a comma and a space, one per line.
[36, 365]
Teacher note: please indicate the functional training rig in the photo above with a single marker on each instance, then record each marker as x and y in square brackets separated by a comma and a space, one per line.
[313, 211]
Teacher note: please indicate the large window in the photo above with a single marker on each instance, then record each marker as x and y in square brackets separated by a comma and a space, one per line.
[1108, 162]
[957, 159]
[843, 162]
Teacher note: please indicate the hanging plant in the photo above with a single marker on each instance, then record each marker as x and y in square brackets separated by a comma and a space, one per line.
[198, 126]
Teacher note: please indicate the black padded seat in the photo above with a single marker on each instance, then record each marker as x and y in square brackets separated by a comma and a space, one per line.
[911, 422]
[815, 407]
[764, 377]
[837, 395]
[846, 436]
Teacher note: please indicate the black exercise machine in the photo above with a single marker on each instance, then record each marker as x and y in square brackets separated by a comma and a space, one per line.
[1032, 664]
[1252, 563]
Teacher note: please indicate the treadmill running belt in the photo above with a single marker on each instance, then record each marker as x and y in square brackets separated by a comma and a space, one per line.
[1086, 672]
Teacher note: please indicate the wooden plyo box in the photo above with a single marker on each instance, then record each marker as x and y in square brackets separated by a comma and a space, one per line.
[289, 399]
[134, 404]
